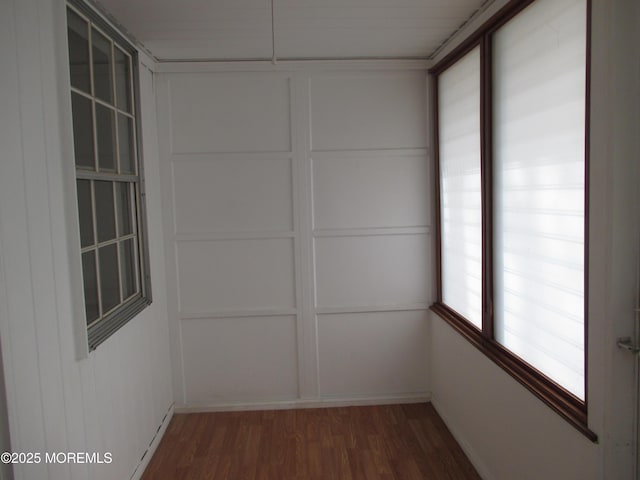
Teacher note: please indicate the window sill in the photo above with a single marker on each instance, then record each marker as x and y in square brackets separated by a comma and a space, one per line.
[569, 407]
[103, 329]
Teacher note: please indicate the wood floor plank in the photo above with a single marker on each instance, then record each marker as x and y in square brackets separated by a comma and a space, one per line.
[389, 442]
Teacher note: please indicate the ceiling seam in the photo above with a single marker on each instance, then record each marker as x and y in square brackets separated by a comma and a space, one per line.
[273, 32]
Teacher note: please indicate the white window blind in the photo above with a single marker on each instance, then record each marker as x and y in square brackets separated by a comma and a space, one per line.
[539, 188]
[461, 201]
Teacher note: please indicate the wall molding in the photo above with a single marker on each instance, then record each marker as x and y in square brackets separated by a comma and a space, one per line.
[371, 231]
[238, 235]
[259, 312]
[328, 154]
[207, 66]
[321, 402]
[371, 309]
[218, 156]
[153, 446]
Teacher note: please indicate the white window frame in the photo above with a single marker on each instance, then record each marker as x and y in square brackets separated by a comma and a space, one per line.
[109, 319]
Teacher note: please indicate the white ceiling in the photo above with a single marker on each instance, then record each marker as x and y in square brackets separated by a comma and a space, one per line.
[241, 29]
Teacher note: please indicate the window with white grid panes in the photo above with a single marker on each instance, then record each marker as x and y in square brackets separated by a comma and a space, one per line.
[108, 178]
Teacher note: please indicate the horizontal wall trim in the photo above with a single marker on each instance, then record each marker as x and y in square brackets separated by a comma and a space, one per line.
[153, 446]
[321, 402]
[264, 312]
[364, 153]
[213, 156]
[215, 236]
[209, 65]
[367, 232]
[371, 309]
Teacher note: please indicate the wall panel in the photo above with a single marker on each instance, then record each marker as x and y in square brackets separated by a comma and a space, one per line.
[235, 274]
[250, 359]
[370, 189]
[230, 113]
[367, 111]
[369, 353]
[230, 194]
[372, 270]
[294, 231]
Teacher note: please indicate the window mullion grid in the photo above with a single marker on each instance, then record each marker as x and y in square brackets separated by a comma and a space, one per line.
[101, 102]
[83, 174]
[134, 139]
[118, 253]
[132, 104]
[135, 196]
[93, 102]
[90, 45]
[486, 186]
[97, 251]
[116, 199]
[133, 209]
[116, 119]
[108, 242]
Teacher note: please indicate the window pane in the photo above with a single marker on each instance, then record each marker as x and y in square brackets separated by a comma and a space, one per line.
[85, 213]
[102, 79]
[124, 208]
[105, 215]
[128, 268]
[78, 35]
[461, 200]
[539, 163]
[90, 286]
[109, 281]
[105, 120]
[125, 138]
[123, 80]
[82, 131]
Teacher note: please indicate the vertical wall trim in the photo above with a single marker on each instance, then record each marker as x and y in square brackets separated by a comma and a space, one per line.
[307, 321]
[163, 103]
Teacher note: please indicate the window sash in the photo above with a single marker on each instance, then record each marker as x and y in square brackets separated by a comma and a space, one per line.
[564, 402]
[111, 210]
[539, 195]
[460, 187]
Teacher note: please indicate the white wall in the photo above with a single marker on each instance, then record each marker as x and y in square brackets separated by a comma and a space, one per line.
[505, 430]
[116, 399]
[297, 232]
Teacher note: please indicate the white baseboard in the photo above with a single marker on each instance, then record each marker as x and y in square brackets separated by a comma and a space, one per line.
[146, 457]
[455, 430]
[419, 397]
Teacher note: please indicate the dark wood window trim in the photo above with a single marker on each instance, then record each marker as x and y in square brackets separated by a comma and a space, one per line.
[567, 405]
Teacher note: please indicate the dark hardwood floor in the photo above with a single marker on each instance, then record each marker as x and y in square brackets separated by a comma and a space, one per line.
[389, 442]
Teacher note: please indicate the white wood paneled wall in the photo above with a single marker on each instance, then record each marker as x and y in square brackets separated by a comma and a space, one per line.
[297, 215]
[116, 399]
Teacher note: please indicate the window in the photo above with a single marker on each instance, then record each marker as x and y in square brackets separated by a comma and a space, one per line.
[108, 176]
[512, 160]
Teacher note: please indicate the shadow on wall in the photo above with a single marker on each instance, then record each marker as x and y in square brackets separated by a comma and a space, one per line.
[6, 472]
